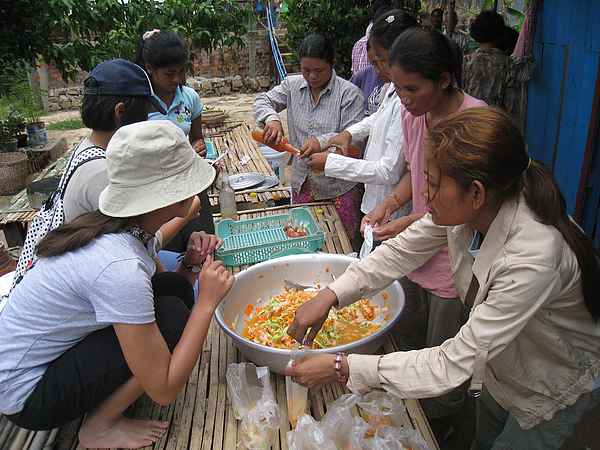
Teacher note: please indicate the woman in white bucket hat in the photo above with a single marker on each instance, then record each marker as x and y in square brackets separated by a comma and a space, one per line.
[92, 326]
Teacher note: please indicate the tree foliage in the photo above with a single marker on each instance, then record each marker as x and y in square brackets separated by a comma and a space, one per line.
[82, 33]
[342, 21]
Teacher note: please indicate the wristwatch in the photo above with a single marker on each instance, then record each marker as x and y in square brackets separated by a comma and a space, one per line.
[192, 268]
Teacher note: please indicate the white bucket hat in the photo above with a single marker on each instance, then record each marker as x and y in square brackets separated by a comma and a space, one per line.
[151, 165]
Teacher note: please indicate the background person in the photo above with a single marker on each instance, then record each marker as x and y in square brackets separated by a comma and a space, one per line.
[75, 340]
[436, 19]
[383, 161]
[525, 270]
[487, 73]
[450, 29]
[319, 105]
[163, 55]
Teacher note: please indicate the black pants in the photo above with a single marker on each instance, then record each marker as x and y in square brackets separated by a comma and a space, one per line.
[86, 374]
[204, 222]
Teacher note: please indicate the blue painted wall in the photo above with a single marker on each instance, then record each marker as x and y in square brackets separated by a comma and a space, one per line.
[561, 94]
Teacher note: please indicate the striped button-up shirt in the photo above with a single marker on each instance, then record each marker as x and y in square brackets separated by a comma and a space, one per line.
[340, 105]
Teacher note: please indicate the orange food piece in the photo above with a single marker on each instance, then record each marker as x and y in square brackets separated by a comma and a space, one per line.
[261, 276]
[384, 295]
[249, 309]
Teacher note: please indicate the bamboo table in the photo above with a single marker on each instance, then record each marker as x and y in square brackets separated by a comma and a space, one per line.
[202, 416]
[237, 139]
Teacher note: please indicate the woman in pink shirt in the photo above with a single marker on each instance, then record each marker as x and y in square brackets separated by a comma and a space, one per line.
[425, 67]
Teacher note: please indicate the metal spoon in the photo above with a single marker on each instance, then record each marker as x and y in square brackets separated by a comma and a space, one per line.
[302, 287]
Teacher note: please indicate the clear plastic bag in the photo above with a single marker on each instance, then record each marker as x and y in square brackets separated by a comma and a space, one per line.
[261, 424]
[309, 435]
[247, 384]
[297, 396]
[346, 431]
[394, 438]
[382, 408]
[367, 245]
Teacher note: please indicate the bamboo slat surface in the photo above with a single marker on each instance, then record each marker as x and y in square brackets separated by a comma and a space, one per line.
[238, 140]
[202, 416]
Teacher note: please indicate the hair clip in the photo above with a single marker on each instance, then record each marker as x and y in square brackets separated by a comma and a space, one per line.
[148, 34]
[390, 18]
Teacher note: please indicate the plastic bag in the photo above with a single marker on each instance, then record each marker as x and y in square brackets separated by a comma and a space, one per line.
[393, 438]
[346, 431]
[367, 245]
[382, 408]
[309, 435]
[297, 396]
[261, 424]
[247, 384]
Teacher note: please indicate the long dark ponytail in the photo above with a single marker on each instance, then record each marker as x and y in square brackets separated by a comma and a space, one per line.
[485, 144]
[543, 196]
[80, 232]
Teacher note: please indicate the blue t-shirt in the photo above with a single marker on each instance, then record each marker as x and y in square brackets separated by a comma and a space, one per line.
[186, 107]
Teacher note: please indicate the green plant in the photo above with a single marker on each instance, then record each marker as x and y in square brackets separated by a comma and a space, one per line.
[342, 21]
[69, 124]
[27, 98]
[5, 135]
[78, 35]
[14, 121]
[506, 10]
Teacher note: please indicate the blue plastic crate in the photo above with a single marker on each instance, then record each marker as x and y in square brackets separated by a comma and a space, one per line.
[255, 240]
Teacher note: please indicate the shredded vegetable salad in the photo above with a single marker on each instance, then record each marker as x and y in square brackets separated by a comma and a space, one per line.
[267, 325]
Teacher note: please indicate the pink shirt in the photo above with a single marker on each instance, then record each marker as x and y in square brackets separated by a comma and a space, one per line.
[435, 275]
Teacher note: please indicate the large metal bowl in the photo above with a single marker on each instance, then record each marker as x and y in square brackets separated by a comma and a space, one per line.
[257, 283]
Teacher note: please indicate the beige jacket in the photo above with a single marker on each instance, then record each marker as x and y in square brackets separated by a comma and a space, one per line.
[529, 337]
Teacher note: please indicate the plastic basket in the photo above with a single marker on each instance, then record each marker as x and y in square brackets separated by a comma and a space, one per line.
[255, 240]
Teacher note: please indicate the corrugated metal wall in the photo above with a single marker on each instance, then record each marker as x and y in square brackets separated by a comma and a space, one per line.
[561, 98]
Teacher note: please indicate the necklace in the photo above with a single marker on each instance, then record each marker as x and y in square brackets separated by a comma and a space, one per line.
[139, 233]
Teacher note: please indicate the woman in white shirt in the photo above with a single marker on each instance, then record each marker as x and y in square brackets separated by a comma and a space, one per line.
[383, 162]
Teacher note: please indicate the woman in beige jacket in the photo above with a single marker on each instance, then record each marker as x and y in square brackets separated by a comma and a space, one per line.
[525, 271]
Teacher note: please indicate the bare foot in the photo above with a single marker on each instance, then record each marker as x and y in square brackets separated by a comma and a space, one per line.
[125, 433]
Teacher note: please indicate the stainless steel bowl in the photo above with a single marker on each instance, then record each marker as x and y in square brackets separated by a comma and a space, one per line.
[257, 283]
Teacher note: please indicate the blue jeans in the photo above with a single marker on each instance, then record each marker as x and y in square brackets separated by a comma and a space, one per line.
[498, 429]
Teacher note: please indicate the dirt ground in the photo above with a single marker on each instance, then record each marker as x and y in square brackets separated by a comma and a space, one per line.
[586, 435]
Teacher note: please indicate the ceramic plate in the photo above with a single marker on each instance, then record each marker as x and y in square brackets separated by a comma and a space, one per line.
[244, 180]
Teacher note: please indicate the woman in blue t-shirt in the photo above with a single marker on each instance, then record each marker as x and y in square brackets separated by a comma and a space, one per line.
[163, 55]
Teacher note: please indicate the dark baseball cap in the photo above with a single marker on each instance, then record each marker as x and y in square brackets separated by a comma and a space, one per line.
[122, 77]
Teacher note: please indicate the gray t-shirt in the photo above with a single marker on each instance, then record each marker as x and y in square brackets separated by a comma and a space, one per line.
[84, 187]
[65, 298]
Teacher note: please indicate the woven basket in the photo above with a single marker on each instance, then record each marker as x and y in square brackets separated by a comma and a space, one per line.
[214, 117]
[13, 172]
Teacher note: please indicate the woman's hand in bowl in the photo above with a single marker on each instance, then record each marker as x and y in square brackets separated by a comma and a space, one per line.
[312, 314]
